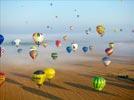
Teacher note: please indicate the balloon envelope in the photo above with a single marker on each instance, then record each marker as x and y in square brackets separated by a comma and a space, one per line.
[69, 49]
[100, 30]
[106, 61]
[54, 55]
[50, 73]
[39, 77]
[38, 38]
[98, 83]
[1, 39]
[33, 48]
[111, 45]
[85, 49]
[58, 43]
[19, 50]
[33, 54]
[109, 51]
[17, 42]
[74, 46]
[2, 78]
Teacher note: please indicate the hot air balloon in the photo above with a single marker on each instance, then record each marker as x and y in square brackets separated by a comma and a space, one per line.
[65, 37]
[69, 49]
[38, 38]
[109, 51]
[50, 73]
[111, 45]
[17, 42]
[39, 77]
[91, 47]
[98, 83]
[33, 48]
[33, 54]
[87, 32]
[100, 30]
[58, 43]
[78, 16]
[85, 49]
[74, 46]
[45, 44]
[106, 61]
[54, 55]
[1, 39]
[71, 27]
[2, 51]
[19, 50]
[2, 78]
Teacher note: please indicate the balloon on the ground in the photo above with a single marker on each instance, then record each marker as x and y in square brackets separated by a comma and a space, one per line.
[74, 46]
[33, 54]
[54, 55]
[58, 43]
[19, 50]
[69, 49]
[106, 61]
[38, 38]
[2, 78]
[50, 73]
[100, 30]
[98, 83]
[109, 51]
[33, 48]
[1, 39]
[17, 42]
[111, 45]
[39, 77]
[85, 49]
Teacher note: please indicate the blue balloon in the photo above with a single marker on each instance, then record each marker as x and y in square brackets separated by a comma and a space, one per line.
[1, 39]
[69, 49]
[19, 50]
[106, 58]
[85, 49]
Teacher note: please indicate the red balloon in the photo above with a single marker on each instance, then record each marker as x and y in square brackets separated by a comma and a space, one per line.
[58, 43]
[109, 51]
[33, 54]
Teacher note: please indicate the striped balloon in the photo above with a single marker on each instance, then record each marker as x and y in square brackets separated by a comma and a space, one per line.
[98, 83]
[109, 51]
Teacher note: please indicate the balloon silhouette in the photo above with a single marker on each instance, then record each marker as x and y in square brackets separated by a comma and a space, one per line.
[1, 39]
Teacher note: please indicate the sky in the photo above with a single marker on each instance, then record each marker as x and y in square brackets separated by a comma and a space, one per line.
[29, 16]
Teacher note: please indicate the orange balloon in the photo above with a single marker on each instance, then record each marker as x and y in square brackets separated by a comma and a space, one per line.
[33, 54]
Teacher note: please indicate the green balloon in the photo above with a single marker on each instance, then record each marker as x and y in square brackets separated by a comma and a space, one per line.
[54, 55]
[98, 83]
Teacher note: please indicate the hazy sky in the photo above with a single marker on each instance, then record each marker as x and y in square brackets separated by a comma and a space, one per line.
[28, 16]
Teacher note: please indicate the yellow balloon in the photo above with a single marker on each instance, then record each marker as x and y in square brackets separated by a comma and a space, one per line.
[39, 79]
[100, 29]
[50, 73]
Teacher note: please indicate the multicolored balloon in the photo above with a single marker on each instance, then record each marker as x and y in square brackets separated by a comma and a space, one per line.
[33, 54]
[50, 73]
[74, 46]
[85, 49]
[17, 42]
[39, 77]
[98, 83]
[65, 37]
[111, 45]
[106, 61]
[2, 51]
[1, 39]
[54, 55]
[2, 78]
[109, 51]
[33, 48]
[58, 43]
[100, 30]
[69, 49]
[38, 38]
